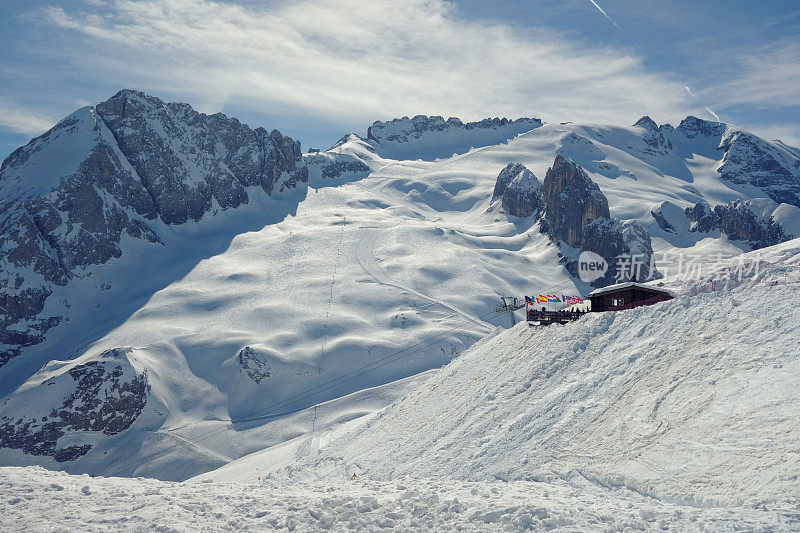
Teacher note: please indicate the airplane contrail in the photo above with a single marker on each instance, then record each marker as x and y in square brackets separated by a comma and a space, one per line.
[605, 15]
[710, 111]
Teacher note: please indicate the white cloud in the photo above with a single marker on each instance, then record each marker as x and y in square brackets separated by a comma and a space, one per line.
[768, 75]
[346, 59]
[21, 119]
[788, 133]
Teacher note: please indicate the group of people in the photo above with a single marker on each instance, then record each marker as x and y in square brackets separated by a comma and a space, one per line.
[562, 315]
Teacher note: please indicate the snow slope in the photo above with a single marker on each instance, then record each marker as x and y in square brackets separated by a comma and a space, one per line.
[692, 401]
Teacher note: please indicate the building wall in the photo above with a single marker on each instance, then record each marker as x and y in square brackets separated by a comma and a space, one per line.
[602, 302]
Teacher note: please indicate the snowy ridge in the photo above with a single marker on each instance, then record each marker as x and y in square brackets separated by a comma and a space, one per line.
[434, 137]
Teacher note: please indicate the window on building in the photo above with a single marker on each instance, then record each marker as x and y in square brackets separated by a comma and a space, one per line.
[617, 301]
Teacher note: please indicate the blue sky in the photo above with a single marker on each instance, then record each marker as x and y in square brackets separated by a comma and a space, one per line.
[318, 69]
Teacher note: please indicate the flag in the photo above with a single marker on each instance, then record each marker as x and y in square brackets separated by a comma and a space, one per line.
[528, 300]
[541, 299]
[552, 298]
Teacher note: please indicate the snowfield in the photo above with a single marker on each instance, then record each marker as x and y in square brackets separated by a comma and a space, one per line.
[42, 500]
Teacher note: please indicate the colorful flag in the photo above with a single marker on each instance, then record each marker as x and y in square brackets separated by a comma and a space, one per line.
[552, 298]
[528, 300]
[541, 299]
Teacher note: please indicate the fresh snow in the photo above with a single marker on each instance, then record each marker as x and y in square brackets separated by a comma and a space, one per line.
[34, 498]
[612, 423]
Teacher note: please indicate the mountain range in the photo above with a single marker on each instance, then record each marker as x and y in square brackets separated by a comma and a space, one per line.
[169, 275]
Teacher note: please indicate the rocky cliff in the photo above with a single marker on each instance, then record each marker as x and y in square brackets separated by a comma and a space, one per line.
[423, 137]
[69, 196]
[518, 190]
[104, 396]
[575, 212]
[572, 200]
[739, 220]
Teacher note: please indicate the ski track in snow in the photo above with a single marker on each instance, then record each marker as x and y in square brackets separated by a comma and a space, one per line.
[365, 256]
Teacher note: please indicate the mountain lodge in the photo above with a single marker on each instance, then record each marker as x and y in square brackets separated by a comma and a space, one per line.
[626, 296]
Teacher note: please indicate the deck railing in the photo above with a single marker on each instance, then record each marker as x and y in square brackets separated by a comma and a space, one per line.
[548, 317]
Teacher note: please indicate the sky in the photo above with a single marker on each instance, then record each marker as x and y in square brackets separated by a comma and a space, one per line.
[318, 69]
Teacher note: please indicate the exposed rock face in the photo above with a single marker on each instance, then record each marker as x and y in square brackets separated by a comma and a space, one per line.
[746, 159]
[405, 129]
[692, 127]
[429, 138]
[252, 365]
[329, 166]
[105, 396]
[702, 217]
[519, 191]
[653, 136]
[575, 212]
[739, 221]
[749, 160]
[628, 242]
[662, 221]
[571, 200]
[68, 196]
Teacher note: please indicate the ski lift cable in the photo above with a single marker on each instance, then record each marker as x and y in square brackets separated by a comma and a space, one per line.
[260, 413]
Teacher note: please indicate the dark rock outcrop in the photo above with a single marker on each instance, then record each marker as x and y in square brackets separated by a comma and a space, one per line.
[575, 212]
[739, 221]
[653, 136]
[661, 220]
[519, 191]
[571, 201]
[252, 365]
[702, 217]
[403, 129]
[749, 160]
[102, 398]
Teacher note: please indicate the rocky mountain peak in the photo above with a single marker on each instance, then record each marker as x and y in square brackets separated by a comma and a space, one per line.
[572, 200]
[519, 190]
[71, 194]
[692, 127]
[646, 122]
[740, 220]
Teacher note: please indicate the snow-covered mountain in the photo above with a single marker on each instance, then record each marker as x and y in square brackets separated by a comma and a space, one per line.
[179, 290]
